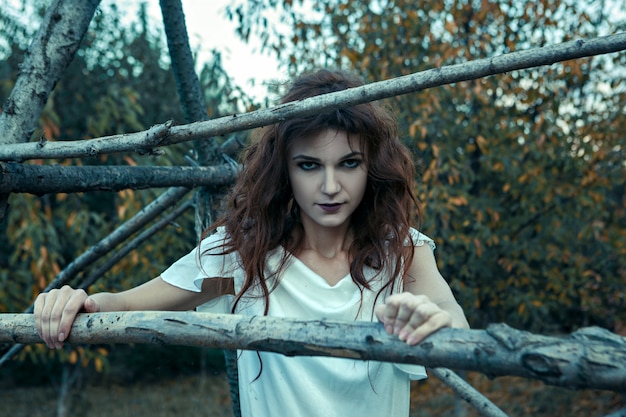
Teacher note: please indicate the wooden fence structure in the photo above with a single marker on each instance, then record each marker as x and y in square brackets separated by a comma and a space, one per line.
[589, 358]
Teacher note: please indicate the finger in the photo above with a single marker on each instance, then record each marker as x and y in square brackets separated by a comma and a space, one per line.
[400, 309]
[435, 322]
[44, 318]
[57, 301]
[91, 306]
[42, 330]
[66, 310]
[420, 314]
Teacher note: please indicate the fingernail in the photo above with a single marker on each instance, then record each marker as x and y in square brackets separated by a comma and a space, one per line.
[411, 340]
[61, 337]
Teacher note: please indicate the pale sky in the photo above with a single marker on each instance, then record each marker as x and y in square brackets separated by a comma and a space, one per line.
[209, 28]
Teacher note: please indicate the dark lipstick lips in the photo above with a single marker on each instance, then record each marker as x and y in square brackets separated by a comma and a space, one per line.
[330, 207]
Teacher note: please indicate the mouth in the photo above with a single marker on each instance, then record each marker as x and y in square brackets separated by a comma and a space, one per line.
[330, 208]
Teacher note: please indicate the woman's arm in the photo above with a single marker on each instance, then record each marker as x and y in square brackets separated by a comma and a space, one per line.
[427, 304]
[56, 310]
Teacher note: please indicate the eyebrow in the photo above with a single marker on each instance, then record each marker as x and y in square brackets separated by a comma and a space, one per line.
[310, 158]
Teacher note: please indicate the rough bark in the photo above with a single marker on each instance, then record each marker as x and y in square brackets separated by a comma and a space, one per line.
[45, 179]
[183, 66]
[591, 358]
[375, 91]
[51, 51]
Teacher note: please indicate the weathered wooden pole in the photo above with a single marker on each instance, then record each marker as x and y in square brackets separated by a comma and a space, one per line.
[591, 358]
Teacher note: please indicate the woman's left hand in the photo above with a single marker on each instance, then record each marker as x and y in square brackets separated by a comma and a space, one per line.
[412, 317]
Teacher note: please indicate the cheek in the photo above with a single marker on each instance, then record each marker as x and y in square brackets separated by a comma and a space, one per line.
[298, 185]
[363, 184]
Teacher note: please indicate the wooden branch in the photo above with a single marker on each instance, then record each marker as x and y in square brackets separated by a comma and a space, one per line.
[187, 84]
[45, 179]
[467, 392]
[146, 215]
[134, 244]
[51, 51]
[618, 413]
[375, 91]
[589, 358]
[163, 202]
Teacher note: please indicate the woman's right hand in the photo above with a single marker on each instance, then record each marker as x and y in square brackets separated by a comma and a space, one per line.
[56, 310]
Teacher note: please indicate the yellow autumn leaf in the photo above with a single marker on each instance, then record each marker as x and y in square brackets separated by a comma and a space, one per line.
[482, 143]
[70, 219]
[98, 364]
[458, 201]
[479, 249]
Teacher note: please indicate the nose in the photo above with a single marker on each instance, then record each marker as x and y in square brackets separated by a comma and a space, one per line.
[330, 185]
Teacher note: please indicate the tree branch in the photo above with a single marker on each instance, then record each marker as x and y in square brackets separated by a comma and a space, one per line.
[187, 83]
[467, 392]
[45, 179]
[51, 51]
[164, 201]
[589, 358]
[135, 243]
[146, 215]
[375, 91]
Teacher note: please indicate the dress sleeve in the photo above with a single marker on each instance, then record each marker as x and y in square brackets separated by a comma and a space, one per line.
[415, 372]
[204, 261]
[419, 239]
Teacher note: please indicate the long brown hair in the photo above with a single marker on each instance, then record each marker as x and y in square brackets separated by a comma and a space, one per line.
[261, 215]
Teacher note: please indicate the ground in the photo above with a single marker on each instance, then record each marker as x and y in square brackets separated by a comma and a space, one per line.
[208, 395]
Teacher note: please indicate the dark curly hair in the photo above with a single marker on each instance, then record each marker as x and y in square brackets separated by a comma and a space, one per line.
[261, 214]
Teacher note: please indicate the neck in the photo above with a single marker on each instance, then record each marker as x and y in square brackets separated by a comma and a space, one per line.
[328, 242]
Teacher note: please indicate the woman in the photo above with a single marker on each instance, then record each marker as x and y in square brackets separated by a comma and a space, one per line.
[318, 225]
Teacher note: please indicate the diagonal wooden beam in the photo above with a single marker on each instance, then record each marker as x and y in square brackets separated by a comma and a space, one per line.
[371, 92]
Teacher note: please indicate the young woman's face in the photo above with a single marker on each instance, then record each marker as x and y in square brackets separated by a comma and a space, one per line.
[328, 177]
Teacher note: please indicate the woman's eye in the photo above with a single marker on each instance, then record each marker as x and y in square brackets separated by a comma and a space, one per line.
[352, 163]
[307, 166]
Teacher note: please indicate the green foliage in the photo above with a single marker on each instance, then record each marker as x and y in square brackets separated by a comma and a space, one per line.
[119, 82]
[522, 174]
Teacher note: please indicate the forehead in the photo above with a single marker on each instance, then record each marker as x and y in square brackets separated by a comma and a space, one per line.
[327, 142]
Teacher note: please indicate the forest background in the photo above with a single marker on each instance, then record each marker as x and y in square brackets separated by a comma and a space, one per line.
[521, 175]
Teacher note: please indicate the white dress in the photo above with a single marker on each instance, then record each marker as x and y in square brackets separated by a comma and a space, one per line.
[303, 386]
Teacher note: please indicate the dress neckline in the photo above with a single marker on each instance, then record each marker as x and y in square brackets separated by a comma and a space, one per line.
[314, 274]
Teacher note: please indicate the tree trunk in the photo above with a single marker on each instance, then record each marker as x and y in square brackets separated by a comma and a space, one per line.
[49, 54]
[194, 108]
